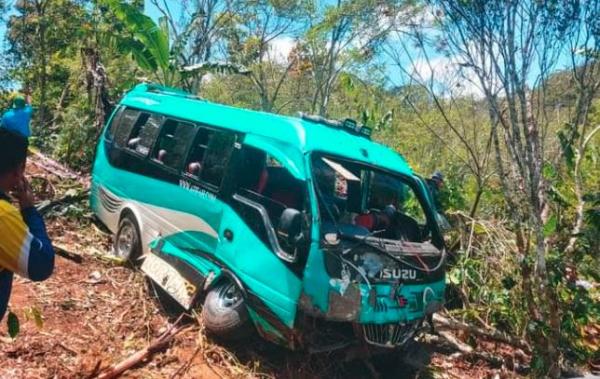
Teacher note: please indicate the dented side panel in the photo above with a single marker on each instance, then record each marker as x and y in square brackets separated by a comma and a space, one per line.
[316, 278]
[268, 331]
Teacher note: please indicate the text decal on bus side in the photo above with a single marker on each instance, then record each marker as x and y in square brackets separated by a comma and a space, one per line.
[194, 188]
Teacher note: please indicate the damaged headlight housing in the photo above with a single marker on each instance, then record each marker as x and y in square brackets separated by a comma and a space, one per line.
[370, 264]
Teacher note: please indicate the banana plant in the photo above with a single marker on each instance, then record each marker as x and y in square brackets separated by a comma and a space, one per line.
[150, 46]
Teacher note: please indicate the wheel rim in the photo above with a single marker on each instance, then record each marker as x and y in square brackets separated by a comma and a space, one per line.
[229, 296]
[126, 240]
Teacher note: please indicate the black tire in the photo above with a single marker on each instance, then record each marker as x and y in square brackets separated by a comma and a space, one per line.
[128, 243]
[224, 312]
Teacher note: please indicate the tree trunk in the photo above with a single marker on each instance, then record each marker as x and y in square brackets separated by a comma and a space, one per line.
[97, 84]
[476, 201]
[43, 71]
[578, 187]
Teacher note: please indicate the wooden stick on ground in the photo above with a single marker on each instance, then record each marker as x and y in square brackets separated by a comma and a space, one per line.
[446, 338]
[496, 335]
[156, 345]
[60, 250]
[44, 207]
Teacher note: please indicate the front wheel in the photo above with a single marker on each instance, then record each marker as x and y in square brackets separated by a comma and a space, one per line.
[128, 244]
[224, 312]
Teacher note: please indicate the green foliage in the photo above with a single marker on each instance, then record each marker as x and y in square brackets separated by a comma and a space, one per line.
[149, 42]
[75, 142]
[149, 45]
[550, 226]
[5, 99]
[14, 325]
[453, 193]
[39, 39]
[567, 137]
[590, 241]
[580, 304]
[483, 275]
[12, 322]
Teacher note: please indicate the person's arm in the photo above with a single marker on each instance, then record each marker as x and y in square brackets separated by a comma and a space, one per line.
[21, 251]
[41, 253]
[41, 258]
[25, 248]
[27, 95]
[28, 108]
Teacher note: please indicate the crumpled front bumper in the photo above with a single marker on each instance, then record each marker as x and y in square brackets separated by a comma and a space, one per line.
[392, 314]
[394, 303]
[384, 314]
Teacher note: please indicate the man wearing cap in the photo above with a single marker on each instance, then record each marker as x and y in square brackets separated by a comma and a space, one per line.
[17, 119]
[435, 184]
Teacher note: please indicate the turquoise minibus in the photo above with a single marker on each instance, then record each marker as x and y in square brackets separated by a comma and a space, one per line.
[300, 228]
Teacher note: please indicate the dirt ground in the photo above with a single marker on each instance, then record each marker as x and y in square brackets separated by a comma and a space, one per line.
[97, 313]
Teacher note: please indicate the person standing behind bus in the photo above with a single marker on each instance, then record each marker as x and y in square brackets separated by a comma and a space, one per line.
[435, 184]
[25, 248]
[18, 118]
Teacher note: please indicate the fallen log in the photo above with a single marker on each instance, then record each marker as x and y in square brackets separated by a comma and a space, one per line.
[449, 340]
[50, 165]
[442, 322]
[46, 206]
[156, 345]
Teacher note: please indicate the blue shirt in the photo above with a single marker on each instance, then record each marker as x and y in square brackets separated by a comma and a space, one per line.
[17, 120]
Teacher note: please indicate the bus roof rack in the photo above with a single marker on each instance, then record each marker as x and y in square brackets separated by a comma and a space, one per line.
[165, 90]
[348, 124]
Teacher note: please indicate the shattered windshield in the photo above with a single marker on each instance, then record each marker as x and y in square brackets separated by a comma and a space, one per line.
[358, 200]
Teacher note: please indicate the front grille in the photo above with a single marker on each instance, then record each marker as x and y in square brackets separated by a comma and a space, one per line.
[389, 335]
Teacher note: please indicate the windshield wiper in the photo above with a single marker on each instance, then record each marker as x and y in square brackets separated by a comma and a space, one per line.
[362, 240]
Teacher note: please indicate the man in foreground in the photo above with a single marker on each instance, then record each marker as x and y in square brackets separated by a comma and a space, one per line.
[25, 248]
[17, 119]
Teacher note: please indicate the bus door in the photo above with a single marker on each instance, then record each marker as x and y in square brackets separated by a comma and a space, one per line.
[266, 184]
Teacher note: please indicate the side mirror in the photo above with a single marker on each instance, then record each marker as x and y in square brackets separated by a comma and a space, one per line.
[290, 226]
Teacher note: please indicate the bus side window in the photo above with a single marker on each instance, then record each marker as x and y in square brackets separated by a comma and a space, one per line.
[173, 143]
[264, 175]
[193, 165]
[144, 133]
[123, 126]
[216, 157]
[114, 124]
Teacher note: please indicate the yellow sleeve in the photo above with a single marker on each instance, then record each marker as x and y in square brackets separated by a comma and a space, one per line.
[15, 240]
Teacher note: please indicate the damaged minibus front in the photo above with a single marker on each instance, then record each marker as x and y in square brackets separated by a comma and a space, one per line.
[377, 261]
